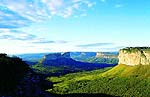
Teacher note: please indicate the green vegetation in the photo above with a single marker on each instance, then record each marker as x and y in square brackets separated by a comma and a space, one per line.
[12, 70]
[99, 60]
[79, 75]
[122, 80]
[131, 50]
[135, 49]
[39, 68]
[103, 60]
[138, 71]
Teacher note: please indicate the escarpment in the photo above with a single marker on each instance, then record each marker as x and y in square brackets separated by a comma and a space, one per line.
[134, 56]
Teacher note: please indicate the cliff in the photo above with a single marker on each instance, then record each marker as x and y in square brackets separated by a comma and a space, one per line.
[134, 56]
[106, 55]
[54, 56]
[64, 60]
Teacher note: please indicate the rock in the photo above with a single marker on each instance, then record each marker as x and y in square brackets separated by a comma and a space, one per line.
[55, 58]
[65, 55]
[134, 56]
[52, 56]
[99, 54]
[106, 55]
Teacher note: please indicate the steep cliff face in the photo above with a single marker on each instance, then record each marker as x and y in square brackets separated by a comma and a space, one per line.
[134, 56]
[54, 56]
[99, 54]
[106, 55]
[64, 60]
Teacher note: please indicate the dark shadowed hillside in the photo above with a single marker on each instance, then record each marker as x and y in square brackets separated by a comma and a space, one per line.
[12, 70]
[18, 80]
[62, 63]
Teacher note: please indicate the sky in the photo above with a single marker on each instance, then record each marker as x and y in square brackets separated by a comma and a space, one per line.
[35, 26]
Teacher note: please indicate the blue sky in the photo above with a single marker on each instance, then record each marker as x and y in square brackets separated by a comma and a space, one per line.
[33, 26]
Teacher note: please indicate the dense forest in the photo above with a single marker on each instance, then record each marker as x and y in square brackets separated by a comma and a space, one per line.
[122, 80]
[19, 80]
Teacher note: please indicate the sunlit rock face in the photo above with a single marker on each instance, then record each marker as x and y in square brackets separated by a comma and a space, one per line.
[106, 55]
[54, 56]
[134, 56]
[99, 54]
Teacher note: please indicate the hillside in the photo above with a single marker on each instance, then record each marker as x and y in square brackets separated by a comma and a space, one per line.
[31, 57]
[62, 63]
[96, 57]
[12, 70]
[138, 71]
[123, 80]
[92, 57]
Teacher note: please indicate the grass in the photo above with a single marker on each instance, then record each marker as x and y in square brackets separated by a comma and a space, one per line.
[46, 69]
[86, 75]
[122, 80]
[139, 71]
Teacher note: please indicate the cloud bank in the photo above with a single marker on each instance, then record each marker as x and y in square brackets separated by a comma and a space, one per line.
[94, 44]
[16, 14]
[20, 13]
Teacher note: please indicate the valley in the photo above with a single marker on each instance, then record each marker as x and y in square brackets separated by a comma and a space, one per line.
[62, 74]
[74, 48]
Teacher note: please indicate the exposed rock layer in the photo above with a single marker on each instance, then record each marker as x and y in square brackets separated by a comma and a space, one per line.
[134, 56]
[106, 55]
[54, 56]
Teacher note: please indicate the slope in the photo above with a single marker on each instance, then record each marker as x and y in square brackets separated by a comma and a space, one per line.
[122, 80]
[138, 71]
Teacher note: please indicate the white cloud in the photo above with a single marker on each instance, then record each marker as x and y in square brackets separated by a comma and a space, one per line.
[118, 5]
[91, 4]
[76, 6]
[18, 14]
[7, 34]
[41, 10]
[66, 8]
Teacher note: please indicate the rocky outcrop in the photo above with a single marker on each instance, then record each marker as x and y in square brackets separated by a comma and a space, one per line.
[54, 56]
[64, 60]
[134, 56]
[99, 54]
[106, 55]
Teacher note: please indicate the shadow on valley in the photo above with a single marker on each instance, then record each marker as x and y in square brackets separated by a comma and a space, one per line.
[12, 70]
[83, 95]
[18, 80]
[57, 64]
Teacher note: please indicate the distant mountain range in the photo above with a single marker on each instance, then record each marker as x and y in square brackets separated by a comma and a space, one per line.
[92, 57]
[65, 59]
[63, 63]
[32, 57]
[130, 78]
